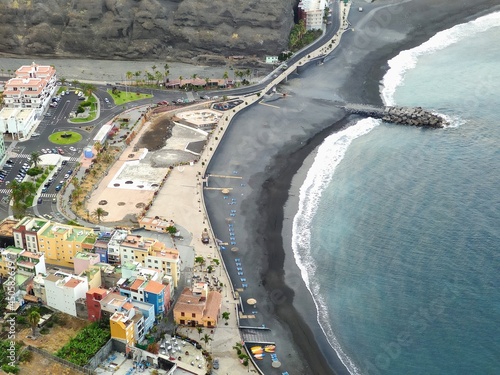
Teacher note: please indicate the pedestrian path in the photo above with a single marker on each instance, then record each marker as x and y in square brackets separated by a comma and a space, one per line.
[48, 195]
[5, 191]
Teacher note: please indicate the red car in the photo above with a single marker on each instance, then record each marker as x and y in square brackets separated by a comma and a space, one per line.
[61, 151]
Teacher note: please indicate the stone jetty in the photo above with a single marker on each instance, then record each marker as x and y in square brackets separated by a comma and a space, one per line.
[413, 116]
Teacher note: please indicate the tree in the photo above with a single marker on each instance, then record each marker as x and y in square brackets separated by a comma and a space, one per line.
[206, 339]
[98, 147]
[180, 81]
[75, 82]
[200, 330]
[225, 316]
[129, 75]
[216, 261]
[225, 76]
[35, 158]
[90, 88]
[200, 260]
[158, 77]
[207, 81]
[98, 213]
[137, 75]
[238, 347]
[33, 319]
[63, 80]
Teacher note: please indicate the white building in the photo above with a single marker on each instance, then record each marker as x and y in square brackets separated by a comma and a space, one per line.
[32, 87]
[312, 12]
[62, 290]
[117, 238]
[29, 92]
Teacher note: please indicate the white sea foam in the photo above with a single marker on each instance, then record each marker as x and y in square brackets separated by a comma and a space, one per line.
[329, 155]
[407, 60]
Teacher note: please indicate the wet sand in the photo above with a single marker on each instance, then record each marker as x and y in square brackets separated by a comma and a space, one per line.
[268, 145]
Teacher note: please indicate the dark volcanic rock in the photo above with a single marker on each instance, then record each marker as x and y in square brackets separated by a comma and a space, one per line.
[136, 29]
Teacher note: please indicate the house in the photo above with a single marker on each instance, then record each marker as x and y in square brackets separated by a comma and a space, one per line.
[93, 299]
[155, 224]
[122, 328]
[84, 260]
[14, 258]
[63, 290]
[118, 236]
[272, 59]
[6, 225]
[198, 307]
[26, 232]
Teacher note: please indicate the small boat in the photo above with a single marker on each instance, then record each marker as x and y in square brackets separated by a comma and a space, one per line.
[256, 349]
[259, 356]
[270, 348]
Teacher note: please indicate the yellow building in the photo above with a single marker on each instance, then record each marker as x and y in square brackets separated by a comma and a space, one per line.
[167, 260]
[122, 328]
[61, 242]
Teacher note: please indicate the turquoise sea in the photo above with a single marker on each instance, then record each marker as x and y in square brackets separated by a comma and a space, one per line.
[398, 229]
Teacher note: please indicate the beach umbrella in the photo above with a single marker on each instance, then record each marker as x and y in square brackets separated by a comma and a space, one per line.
[234, 249]
[252, 301]
[276, 364]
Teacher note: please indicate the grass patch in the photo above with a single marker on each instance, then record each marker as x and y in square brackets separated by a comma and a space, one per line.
[59, 139]
[120, 97]
[92, 112]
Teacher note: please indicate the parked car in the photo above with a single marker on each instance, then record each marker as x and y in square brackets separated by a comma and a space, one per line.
[44, 190]
[72, 149]
[10, 161]
[58, 187]
[64, 162]
[61, 151]
[216, 363]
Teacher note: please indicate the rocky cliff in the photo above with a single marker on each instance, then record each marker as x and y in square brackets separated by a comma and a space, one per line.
[140, 29]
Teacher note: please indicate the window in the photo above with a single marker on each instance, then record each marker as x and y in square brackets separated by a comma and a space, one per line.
[182, 313]
[193, 315]
[156, 261]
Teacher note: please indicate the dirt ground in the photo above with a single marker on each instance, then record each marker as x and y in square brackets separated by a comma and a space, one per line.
[58, 336]
[157, 134]
[41, 365]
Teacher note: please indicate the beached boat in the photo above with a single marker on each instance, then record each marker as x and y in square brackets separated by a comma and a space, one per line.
[270, 348]
[259, 356]
[256, 349]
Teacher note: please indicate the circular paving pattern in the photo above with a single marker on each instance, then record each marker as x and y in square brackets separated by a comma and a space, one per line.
[103, 202]
[140, 205]
[129, 182]
[121, 203]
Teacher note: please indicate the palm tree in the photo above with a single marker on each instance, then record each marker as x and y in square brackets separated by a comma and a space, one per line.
[90, 88]
[137, 75]
[158, 77]
[207, 81]
[98, 213]
[33, 319]
[200, 330]
[200, 260]
[166, 71]
[206, 339]
[63, 80]
[129, 75]
[35, 158]
[225, 76]
[238, 347]
[180, 81]
[225, 316]
[75, 82]
[98, 146]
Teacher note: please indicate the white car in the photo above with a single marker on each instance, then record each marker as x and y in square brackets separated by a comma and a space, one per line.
[66, 176]
[72, 149]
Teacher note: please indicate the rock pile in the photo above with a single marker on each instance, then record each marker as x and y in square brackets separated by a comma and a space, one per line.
[413, 116]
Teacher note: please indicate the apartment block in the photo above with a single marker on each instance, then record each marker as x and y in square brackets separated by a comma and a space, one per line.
[61, 242]
[26, 232]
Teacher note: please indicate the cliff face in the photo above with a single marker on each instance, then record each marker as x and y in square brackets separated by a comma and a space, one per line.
[137, 29]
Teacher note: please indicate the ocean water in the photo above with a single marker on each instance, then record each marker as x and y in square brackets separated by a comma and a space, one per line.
[398, 228]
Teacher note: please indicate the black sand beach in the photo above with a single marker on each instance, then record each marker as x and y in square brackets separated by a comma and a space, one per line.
[268, 144]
